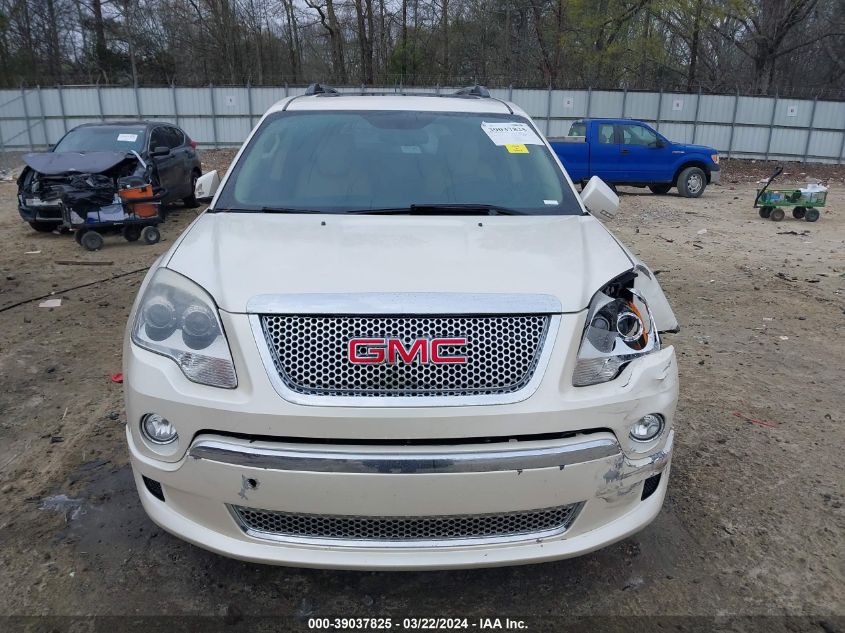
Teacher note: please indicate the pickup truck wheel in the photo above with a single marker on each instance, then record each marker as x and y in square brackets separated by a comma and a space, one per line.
[43, 227]
[691, 182]
[660, 190]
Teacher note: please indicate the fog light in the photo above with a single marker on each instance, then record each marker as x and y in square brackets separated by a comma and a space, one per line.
[647, 427]
[158, 429]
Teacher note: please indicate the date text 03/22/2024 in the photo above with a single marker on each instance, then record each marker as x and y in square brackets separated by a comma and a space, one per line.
[413, 624]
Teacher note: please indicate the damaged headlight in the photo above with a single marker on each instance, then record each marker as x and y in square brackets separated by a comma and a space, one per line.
[178, 319]
[619, 329]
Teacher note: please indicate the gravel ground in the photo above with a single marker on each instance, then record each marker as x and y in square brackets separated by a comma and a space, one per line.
[753, 522]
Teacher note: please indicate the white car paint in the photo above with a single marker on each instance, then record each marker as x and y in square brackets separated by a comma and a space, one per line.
[236, 258]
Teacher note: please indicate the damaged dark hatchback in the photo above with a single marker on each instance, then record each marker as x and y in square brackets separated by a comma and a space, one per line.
[155, 152]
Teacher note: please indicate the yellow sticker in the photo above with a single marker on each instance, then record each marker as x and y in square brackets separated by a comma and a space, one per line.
[517, 149]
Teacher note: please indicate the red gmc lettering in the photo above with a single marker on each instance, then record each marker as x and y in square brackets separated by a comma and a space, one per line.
[393, 351]
[437, 357]
[371, 352]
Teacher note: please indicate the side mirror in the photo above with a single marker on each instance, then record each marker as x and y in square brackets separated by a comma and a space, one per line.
[158, 152]
[207, 185]
[600, 199]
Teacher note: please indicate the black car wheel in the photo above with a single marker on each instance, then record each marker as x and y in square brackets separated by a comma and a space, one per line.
[660, 190]
[191, 201]
[43, 227]
[691, 182]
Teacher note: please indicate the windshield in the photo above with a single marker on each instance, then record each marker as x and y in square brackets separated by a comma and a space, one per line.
[103, 138]
[335, 162]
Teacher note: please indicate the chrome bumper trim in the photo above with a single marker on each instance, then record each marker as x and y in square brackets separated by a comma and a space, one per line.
[372, 462]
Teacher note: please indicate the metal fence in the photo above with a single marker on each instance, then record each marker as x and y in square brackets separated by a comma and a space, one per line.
[222, 116]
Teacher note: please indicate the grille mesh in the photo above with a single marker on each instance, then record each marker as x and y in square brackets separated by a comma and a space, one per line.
[310, 354]
[398, 529]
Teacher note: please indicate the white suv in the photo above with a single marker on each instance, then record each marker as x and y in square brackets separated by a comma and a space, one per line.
[397, 340]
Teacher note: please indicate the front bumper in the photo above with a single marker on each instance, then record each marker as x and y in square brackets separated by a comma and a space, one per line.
[40, 213]
[248, 447]
[200, 494]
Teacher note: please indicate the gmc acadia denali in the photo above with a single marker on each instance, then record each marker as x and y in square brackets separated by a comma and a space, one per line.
[399, 339]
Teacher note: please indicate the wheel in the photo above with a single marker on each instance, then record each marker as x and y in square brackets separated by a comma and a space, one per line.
[660, 190]
[811, 215]
[91, 240]
[77, 235]
[691, 182]
[43, 227]
[798, 212]
[765, 212]
[777, 215]
[150, 235]
[191, 202]
[131, 232]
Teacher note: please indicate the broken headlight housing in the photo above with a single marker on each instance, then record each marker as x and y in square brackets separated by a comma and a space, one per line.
[178, 319]
[619, 329]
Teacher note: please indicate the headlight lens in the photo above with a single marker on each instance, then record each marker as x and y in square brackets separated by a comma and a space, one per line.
[619, 329]
[647, 427]
[178, 319]
[715, 158]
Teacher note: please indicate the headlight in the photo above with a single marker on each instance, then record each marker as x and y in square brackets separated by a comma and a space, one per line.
[619, 329]
[715, 158]
[178, 319]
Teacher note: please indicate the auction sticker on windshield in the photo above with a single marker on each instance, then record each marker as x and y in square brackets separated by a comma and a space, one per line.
[510, 133]
[130, 138]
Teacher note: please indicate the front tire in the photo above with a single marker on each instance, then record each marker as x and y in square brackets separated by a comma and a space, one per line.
[692, 182]
[660, 190]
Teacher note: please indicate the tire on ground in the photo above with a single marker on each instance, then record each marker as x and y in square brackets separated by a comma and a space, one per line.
[692, 182]
[660, 190]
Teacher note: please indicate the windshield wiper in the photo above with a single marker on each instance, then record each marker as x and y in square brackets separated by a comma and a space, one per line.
[286, 210]
[443, 209]
[263, 210]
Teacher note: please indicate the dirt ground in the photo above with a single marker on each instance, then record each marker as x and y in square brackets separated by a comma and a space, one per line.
[753, 523]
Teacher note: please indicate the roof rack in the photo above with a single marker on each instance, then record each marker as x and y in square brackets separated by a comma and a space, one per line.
[473, 91]
[319, 89]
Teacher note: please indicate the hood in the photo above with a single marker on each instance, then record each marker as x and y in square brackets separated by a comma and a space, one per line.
[56, 163]
[697, 149]
[237, 256]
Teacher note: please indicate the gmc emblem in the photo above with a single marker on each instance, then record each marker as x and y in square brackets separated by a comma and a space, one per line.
[393, 351]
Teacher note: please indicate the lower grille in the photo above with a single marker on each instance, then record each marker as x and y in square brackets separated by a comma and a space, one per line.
[407, 529]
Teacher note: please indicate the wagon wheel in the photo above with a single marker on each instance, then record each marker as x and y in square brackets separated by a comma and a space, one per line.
[777, 215]
[131, 232]
[765, 212]
[811, 215]
[92, 240]
[798, 212]
[150, 235]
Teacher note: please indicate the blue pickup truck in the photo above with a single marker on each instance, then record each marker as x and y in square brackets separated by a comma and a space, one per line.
[628, 152]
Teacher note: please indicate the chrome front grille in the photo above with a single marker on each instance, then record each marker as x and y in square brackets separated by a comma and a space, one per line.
[406, 529]
[311, 356]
